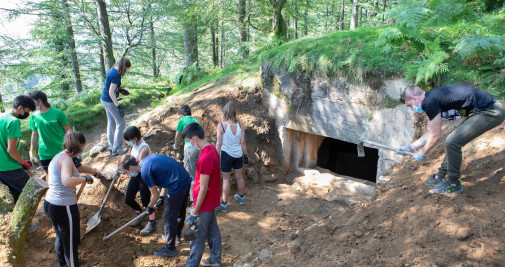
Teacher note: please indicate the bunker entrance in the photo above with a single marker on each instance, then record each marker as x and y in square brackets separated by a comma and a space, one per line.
[342, 158]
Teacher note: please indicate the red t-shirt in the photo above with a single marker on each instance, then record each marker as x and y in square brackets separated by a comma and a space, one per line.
[208, 163]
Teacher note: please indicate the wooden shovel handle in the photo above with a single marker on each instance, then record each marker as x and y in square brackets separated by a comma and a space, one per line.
[79, 193]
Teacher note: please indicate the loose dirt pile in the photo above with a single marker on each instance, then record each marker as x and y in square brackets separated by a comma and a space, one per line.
[402, 224]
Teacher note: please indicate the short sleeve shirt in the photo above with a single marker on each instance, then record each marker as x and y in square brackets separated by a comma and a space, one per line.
[49, 126]
[10, 127]
[165, 172]
[183, 122]
[208, 163]
[459, 97]
[114, 77]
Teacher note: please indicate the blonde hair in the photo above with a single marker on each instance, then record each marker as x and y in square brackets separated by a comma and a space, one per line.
[122, 64]
[229, 112]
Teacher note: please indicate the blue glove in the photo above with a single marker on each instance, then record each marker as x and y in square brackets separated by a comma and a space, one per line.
[401, 150]
[191, 219]
[419, 156]
[159, 203]
[149, 210]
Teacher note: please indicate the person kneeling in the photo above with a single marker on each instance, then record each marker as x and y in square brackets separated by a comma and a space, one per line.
[206, 191]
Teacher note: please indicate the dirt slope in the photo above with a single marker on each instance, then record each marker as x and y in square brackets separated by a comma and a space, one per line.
[401, 225]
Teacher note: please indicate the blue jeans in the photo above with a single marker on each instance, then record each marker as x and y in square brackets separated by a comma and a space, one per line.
[115, 126]
[207, 230]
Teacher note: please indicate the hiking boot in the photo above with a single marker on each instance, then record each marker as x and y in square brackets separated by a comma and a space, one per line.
[166, 252]
[433, 181]
[150, 227]
[177, 238]
[119, 151]
[446, 187]
[222, 208]
[208, 262]
[241, 200]
[139, 221]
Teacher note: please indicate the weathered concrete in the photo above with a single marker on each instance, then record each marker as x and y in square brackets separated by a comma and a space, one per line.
[309, 108]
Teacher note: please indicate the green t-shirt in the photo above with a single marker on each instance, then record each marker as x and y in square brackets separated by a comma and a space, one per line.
[10, 127]
[49, 126]
[183, 122]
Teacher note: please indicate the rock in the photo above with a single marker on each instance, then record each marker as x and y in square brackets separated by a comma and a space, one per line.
[358, 233]
[253, 175]
[265, 254]
[103, 138]
[293, 243]
[269, 177]
[154, 121]
[294, 235]
[236, 264]
[463, 233]
[103, 146]
[246, 265]
[264, 170]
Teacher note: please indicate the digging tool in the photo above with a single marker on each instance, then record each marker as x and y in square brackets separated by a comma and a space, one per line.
[151, 133]
[80, 190]
[361, 148]
[96, 219]
[138, 217]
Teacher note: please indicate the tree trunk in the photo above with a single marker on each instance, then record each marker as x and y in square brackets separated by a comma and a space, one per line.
[21, 219]
[191, 43]
[242, 31]
[103, 21]
[354, 14]
[279, 27]
[222, 44]
[342, 13]
[103, 70]
[71, 45]
[156, 71]
[2, 109]
[296, 20]
[213, 45]
[383, 8]
[306, 19]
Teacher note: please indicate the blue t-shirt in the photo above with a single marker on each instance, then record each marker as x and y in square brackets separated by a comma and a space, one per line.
[114, 77]
[165, 172]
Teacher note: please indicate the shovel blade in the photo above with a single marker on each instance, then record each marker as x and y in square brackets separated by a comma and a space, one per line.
[92, 222]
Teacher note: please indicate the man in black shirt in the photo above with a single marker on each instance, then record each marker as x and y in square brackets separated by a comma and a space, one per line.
[484, 114]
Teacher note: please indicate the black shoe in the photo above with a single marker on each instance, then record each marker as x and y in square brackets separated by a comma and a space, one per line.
[166, 252]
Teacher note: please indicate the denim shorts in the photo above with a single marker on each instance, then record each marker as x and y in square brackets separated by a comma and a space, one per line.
[228, 162]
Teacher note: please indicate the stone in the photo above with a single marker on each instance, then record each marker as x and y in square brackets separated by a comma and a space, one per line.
[269, 177]
[104, 138]
[154, 121]
[265, 254]
[103, 146]
[358, 233]
[253, 175]
[463, 233]
[247, 265]
[236, 264]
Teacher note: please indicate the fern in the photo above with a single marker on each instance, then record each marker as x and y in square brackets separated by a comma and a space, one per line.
[478, 45]
[408, 13]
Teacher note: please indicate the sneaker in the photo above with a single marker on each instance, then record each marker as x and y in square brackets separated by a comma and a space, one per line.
[241, 200]
[150, 227]
[446, 187]
[166, 252]
[177, 238]
[139, 221]
[119, 151]
[222, 208]
[433, 181]
[208, 262]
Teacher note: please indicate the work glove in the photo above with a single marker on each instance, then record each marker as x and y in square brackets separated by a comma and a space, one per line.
[124, 91]
[120, 110]
[246, 159]
[27, 165]
[160, 201]
[191, 219]
[401, 150]
[89, 179]
[149, 210]
[419, 156]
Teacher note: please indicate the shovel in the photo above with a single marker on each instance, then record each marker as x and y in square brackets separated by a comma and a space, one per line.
[361, 148]
[96, 219]
[137, 217]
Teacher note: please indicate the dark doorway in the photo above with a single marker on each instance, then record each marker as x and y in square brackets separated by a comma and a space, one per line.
[342, 158]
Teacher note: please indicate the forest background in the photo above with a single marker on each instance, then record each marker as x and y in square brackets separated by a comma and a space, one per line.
[176, 45]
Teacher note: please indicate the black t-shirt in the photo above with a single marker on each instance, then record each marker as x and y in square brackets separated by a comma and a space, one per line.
[459, 97]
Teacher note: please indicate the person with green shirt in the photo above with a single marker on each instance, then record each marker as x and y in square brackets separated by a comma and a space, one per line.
[12, 165]
[191, 153]
[48, 126]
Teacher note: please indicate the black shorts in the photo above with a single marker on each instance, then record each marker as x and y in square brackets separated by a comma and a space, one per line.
[228, 162]
[15, 180]
[45, 163]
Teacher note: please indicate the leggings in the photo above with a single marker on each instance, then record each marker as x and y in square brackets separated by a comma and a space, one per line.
[134, 186]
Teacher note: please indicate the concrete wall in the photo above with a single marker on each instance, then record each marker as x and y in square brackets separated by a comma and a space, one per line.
[308, 106]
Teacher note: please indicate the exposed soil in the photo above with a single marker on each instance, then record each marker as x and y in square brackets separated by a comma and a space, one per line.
[402, 224]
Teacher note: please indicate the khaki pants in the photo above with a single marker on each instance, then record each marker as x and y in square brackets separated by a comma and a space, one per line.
[478, 123]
